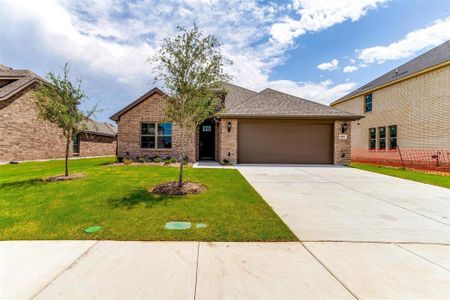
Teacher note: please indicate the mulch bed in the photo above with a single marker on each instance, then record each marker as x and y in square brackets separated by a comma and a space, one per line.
[172, 188]
[64, 178]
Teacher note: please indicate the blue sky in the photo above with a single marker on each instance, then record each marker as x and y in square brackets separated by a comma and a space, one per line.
[316, 49]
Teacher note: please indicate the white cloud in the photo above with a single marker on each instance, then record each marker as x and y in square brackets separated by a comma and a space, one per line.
[349, 69]
[430, 36]
[332, 65]
[109, 41]
[323, 92]
[316, 15]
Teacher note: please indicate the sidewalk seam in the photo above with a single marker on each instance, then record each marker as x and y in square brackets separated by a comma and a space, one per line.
[65, 269]
[422, 257]
[196, 270]
[329, 271]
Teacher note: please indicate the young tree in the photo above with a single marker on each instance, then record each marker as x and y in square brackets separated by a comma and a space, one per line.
[57, 101]
[191, 68]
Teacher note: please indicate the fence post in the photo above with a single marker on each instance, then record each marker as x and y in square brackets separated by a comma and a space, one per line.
[401, 158]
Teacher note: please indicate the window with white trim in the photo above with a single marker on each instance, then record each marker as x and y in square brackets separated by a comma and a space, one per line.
[382, 138]
[393, 137]
[372, 138]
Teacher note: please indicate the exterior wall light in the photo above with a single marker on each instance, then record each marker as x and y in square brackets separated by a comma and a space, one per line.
[229, 126]
[344, 127]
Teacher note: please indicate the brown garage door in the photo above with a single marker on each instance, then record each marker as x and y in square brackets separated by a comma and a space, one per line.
[285, 141]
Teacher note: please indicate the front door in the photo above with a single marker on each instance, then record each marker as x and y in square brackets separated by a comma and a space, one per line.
[207, 140]
[76, 145]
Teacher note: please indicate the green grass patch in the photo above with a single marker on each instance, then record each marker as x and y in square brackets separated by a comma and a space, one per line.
[117, 199]
[439, 180]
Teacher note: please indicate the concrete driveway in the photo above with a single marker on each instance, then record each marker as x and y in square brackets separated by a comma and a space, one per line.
[379, 236]
[332, 203]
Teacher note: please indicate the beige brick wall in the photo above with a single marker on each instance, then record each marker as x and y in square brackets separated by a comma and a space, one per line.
[342, 143]
[228, 140]
[97, 145]
[23, 136]
[150, 110]
[419, 106]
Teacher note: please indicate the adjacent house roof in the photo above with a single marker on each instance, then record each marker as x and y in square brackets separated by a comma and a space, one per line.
[244, 103]
[13, 81]
[99, 128]
[434, 57]
[271, 103]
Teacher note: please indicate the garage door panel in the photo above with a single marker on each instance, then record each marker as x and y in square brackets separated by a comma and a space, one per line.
[284, 142]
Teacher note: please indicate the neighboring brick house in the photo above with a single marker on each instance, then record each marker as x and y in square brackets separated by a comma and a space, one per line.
[23, 136]
[406, 113]
[264, 127]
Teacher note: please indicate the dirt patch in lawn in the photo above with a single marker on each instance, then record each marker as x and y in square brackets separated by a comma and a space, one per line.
[172, 188]
[64, 178]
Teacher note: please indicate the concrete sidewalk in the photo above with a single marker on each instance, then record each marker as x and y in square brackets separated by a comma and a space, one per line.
[192, 270]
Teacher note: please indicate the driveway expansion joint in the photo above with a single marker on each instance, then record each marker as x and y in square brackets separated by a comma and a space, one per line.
[422, 257]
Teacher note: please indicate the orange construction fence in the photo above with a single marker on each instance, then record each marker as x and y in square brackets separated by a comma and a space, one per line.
[422, 159]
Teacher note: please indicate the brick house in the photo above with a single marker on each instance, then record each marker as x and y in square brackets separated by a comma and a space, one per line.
[406, 113]
[23, 136]
[264, 127]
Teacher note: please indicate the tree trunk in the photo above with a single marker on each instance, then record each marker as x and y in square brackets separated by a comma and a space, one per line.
[180, 176]
[67, 156]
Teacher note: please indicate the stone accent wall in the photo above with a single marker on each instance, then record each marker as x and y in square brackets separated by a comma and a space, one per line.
[23, 136]
[342, 143]
[419, 106]
[150, 110]
[228, 140]
[97, 145]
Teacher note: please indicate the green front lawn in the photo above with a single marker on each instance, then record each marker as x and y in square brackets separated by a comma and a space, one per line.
[116, 198]
[439, 180]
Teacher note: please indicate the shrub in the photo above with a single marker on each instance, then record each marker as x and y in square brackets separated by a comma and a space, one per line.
[119, 159]
[157, 159]
[127, 162]
[225, 161]
[141, 160]
[170, 161]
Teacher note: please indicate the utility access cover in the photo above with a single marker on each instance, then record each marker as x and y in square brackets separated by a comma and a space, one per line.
[177, 225]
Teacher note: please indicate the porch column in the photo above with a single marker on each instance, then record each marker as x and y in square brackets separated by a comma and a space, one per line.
[228, 140]
[342, 142]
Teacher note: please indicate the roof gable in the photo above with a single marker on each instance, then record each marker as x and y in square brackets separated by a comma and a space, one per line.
[117, 115]
[16, 81]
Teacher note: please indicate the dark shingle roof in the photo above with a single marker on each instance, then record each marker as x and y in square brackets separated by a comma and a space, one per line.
[236, 95]
[242, 102]
[271, 103]
[19, 79]
[433, 57]
[100, 128]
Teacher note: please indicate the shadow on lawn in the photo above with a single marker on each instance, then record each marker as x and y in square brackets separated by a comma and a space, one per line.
[137, 197]
[23, 183]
